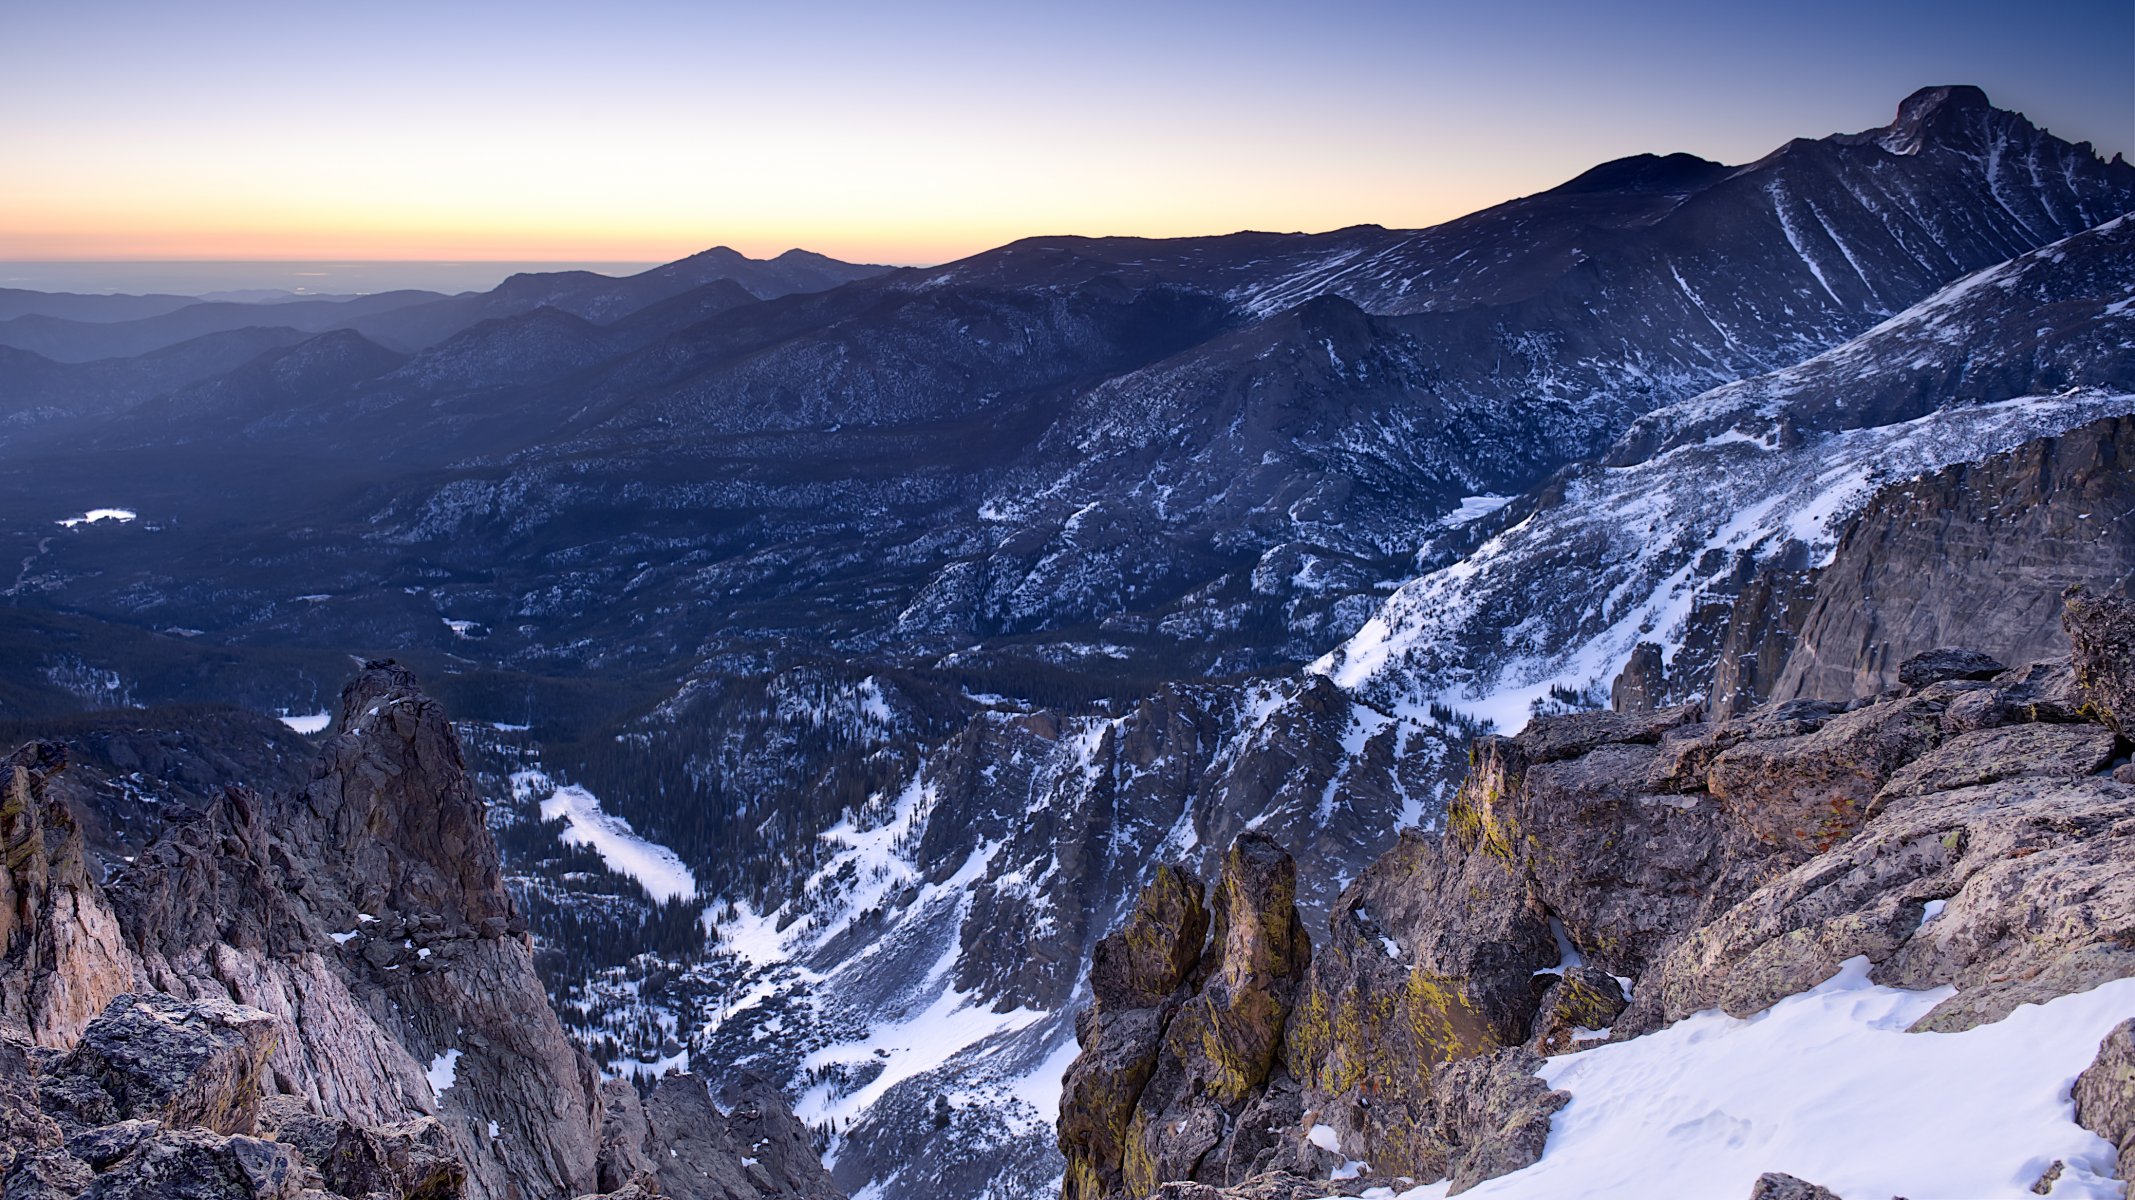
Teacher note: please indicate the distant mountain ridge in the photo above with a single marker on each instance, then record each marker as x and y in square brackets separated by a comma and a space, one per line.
[85, 328]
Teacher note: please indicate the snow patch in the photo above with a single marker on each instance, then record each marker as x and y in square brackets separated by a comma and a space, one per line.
[444, 1070]
[1828, 1086]
[115, 515]
[657, 869]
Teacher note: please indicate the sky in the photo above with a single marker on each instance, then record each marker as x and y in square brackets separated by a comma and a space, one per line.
[644, 130]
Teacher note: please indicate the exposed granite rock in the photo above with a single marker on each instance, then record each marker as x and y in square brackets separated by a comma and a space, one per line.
[1223, 1042]
[678, 1143]
[1492, 1115]
[1946, 663]
[24, 1127]
[48, 1175]
[624, 1135]
[2004, 752]
[2043, 691]
[1810, 791]
[2101, 629]
[2037, 879]
[196, 1064]
[2105, 1094]
[1136, 980]
[413, 1160]
[1642, 685]
[61, 955]
[1181, 1075]
[194, 1164]
[1775, 1186]
[1272, 1185]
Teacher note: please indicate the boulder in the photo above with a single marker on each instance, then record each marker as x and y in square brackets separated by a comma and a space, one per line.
[195, 1164]
[2005, 752]
[413, 1160]
[1936, 666]
[2105, 1095]
[48, 1175]
[197, 1063]
[1775, 1186]
[1809, 791]
[24, 1128]
[1582, 998]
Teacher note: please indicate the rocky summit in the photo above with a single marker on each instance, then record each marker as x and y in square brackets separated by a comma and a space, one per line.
[1599, 878]
[1624, 693]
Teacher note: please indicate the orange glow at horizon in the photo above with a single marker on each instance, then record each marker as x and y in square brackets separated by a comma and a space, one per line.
[646, 130]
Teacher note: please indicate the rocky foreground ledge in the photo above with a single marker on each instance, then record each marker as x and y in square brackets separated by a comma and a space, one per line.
[1605, 875]
[323, 993]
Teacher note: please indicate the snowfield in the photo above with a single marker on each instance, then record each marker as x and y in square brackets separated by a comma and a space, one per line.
[657, 869]
[1827, 1086]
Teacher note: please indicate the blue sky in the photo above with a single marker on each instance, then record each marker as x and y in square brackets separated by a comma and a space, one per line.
[913, 133]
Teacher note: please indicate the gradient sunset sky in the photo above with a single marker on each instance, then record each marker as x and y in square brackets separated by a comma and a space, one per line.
[912, 133]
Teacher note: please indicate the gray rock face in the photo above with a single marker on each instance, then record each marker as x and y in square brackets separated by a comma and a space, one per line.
[1811, 790]
[2105, 1094]
[393, 1038]
[1643, 684]
[1973, 555]
[368, 916]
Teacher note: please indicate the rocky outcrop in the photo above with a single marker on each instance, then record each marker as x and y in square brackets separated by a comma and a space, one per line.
[367, 914]
[2105, 1095]
[61, 956]
[2101, 629]
[325, 991]
[2000, 863]
[1492, 1115]
[1182, 1048]
[678, 1143]
[149, 1057]
[1642, 685]
[1604, 874]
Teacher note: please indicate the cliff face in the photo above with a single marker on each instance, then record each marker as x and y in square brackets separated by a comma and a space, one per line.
[319, 980]
[1604, 875]
[1974, 555]
[61, 958]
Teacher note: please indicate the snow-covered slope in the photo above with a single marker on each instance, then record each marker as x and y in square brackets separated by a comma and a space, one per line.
[1612, 555]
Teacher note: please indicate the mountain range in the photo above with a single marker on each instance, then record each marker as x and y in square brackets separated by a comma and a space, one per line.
[841, 650]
